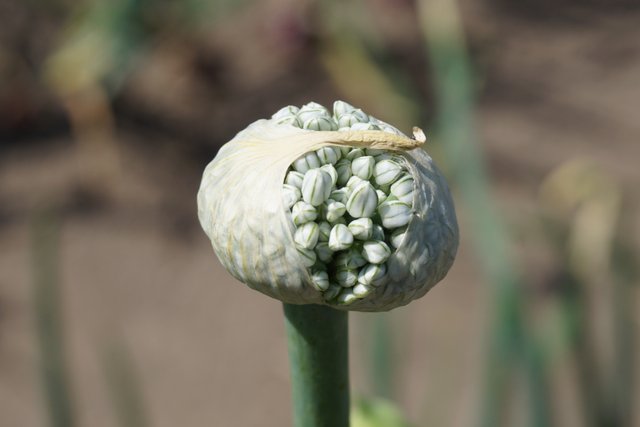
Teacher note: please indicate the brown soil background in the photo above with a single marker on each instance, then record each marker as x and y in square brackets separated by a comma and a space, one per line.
[556, 84]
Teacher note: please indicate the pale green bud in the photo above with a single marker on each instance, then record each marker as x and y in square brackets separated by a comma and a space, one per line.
[334, 210]
[331, 171]
[362, 167]
[332, 292]
[355, 153]
[340, 238]
[353, 182]
[340, 108]
[320, 123]
[377, 233]
[346, 277]
[361, 228]
[363, 201]
[364, 126]
[386, 172]
[306, 236]
[351, 118]
[291, 195]
[289, 110]
[347, 297]
[376, 252]
[329, 155]
[294, 178]
[316, 187]
[394, 213]
[320, 280]
[360, 290]
[345, 149]
[324, 228]
[324, 252]
[403, 189]
[397, 236]
[372, 274]
[289, 120]
[350, 259]
[312, 110]
[373, 152]
[382, 196]
[303, 212]
[343, 167]
[306, 162]
[340, 195]
[308, 256]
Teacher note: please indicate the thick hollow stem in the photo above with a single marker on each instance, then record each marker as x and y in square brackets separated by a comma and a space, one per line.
[319, 359]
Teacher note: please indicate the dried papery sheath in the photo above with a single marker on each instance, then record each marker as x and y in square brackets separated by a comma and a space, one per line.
[357, 218]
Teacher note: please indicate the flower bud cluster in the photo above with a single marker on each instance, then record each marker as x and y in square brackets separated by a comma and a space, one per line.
[350, 206]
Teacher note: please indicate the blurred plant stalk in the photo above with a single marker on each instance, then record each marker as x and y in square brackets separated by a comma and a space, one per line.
[510, 345]
[48, 316]
[581, 208]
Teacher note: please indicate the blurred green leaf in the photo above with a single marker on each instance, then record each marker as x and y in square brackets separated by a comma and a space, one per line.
[376, 413]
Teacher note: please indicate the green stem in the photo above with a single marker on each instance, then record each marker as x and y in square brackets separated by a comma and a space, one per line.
[319, 358]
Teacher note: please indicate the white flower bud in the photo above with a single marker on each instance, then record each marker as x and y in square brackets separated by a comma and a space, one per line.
[364, 126]
[351, 118]
[346, 277]
[332, 292]
[324, 252]
[346, 297]
[331, 171]
[312, 110]
[354, 154]
[340, 238]
[320, 280]
[386, 171]
[343, 167]
[289, 120]
[382, 196]
[350, 259]
[320, 123]
[361, 228]
[377, 233]
[341, 195]
[306, 236]
[335, 210]
[308, 256]
[360, 290]
[353, 182]
[294, 178]
[303, 212]
[306, 162]
[340, 108]
[403, 189]
[289, 110]
[363, 201]
[373, 152]
[376, 252]
[372, 274]
[394, 213]
[345, 150]
[397, 236]
[329, 155]
[362, 167]
[316, 187]
[324, 228]
[291, 195]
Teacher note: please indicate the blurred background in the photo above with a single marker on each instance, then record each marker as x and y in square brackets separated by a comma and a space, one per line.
[114, 310]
